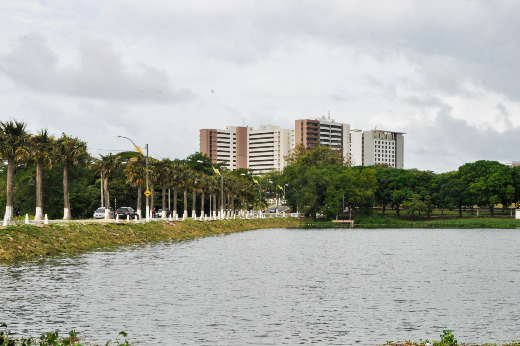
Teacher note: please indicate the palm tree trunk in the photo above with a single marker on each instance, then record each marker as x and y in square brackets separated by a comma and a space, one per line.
[66, 202]
[39, 201]
[107, 199]
[139, 198]
[185, 215]
[232, 205]
[202, 204]
[214, 204]
[163, 200]
[193, 205]
[9, 198]
[175, 200]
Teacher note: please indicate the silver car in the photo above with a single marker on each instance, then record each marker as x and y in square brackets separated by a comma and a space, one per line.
[100, 213]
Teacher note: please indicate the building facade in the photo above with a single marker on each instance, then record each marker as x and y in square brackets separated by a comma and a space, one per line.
[267, 147]
[324, 131]
[377, 147]
[260, 150]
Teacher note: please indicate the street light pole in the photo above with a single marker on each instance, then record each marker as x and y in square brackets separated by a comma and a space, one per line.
[139, 150]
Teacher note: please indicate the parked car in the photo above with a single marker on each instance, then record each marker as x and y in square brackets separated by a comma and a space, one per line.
[158, 213]
[124, 211]
[272, 210]
[100, 213]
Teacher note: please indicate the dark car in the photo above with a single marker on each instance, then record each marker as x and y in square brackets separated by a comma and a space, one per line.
[124, 211]
[158, 213]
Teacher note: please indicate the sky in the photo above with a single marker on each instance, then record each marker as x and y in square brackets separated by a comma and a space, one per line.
[444, 72]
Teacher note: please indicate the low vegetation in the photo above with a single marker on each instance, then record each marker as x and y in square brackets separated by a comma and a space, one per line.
[19, 242]
[446, 339]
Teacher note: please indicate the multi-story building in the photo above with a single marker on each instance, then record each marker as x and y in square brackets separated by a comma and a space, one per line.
[324, 131]
[260, 150]
[267, 147]
[377, 147]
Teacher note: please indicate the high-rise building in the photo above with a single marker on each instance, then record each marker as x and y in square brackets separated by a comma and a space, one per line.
[260, 150]
[267, 147]
[377, 147]
[324, 131]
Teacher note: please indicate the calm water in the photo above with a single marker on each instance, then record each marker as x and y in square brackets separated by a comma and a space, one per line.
[272, 287]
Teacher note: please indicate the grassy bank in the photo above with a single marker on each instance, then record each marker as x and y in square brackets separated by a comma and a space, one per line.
[392, 222]
[20, 242]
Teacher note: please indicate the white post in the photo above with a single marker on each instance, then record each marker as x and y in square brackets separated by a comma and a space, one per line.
[117, 218]
[26, 219]
[46, 221]
[176, 217]
[147, 213]
[283, 214]
[136, 219]
[170, 218]
[477, 212]
[128, 218]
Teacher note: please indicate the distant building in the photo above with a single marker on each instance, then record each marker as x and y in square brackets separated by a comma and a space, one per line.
[377, 147]
[260, 150]
[267, 147]
[324, 131]
[513, 164]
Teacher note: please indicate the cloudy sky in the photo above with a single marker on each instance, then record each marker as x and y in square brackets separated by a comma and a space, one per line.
[445, 72]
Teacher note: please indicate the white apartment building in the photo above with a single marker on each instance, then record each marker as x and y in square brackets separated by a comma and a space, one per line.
[260, 150]
[377, 147]
[267, 148]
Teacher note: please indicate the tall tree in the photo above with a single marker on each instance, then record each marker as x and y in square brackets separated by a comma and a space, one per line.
[490, 182]
[106, 166]
[13, 136]
[39, 149]
[69, 151]
[135, 172]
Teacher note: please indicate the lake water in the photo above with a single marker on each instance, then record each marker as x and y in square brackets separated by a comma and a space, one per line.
[279, 286]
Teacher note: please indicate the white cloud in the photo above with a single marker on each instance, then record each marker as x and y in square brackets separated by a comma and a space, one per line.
[444, 72]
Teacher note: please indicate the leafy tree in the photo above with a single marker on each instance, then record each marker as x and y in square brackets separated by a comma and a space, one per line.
[489, 182]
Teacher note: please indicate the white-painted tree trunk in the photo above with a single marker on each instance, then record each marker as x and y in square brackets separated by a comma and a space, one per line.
[139, 212]
[107, 213]
[163, 214]
[66, 214]
[8, 215]
[39, 214]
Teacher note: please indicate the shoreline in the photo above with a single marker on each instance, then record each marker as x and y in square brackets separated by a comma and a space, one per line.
[29, 242]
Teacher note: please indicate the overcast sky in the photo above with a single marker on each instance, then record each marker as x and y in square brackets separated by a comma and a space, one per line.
[445, 72]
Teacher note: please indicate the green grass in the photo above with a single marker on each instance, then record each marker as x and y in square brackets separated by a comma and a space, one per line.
[425, 222]
[18, 242]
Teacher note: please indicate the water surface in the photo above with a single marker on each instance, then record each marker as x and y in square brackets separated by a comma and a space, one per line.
[279, 286]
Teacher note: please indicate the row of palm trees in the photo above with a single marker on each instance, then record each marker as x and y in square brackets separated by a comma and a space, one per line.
[16, 143]
[43, 149]
[178, 175]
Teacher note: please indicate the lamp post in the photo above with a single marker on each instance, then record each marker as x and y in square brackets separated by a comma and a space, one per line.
[139, 150]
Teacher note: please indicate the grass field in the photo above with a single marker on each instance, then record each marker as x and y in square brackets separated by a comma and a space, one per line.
[22, 241]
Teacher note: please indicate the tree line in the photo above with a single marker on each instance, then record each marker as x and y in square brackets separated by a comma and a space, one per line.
[47, 174]
[322, 184]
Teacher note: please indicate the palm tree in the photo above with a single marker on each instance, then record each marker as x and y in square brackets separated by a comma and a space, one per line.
[195, 186]
[69, 151]
[163, 173]
[106, 166]
[186, 182]
[135, 171]
[153, 177]
[175, 178]
[13, 136]
[39, 149]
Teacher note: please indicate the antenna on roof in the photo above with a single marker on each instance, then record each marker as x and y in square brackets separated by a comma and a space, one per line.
[329, 115]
